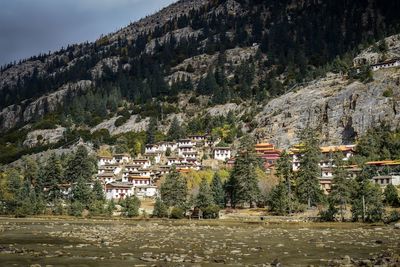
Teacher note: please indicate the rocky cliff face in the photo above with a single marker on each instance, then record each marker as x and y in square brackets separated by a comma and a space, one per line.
[22, 113]
[340, 109]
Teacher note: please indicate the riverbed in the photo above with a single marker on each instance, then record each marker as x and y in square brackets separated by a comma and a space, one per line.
[98, 242]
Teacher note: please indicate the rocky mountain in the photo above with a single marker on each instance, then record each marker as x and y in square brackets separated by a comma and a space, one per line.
[277, 66]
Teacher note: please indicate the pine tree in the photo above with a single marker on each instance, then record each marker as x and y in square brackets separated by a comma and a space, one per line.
[79, 166]
[98, 192]
[151, 131]
[131, 206]
[366, 198]
[51, 178]
[242, 185]
[31, 169]
[284, 170]
[341, 188]
[279, 200]
[217, 190]
[308, 188]
[174, 190]
[204, 197]
[175, 131]
[82, 193]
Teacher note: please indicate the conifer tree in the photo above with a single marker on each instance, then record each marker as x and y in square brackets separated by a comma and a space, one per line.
[174, 190]
[82, 193]
[51, 178]
[341, 189]
[284, 170]
[160, 209]
[391, 196]
[131, 206]
[308, 188]
[175, 131]
[279, 200]
[204, 197]
[242, 185]
[79, 166]
[217, 190]
[151, 131]
[366, 198]
[98, 192]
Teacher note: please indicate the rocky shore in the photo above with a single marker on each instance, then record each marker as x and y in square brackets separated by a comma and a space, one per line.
[33, 242]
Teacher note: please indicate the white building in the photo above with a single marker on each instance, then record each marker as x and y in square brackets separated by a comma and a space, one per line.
[186, 142]
[106, 177]
[156, 156]
[114, 168]
[222, 153]
[144, 163]
[392, 63]
[104, 160]
[384, 180]
[151, 148]
[146, 191]
[174, 161]
[119, 190]
[189, 154]
[198, 138]
[163, 146]
[121, 158]
[139, 180]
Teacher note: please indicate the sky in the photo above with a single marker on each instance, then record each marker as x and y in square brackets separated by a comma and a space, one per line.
[30, 27]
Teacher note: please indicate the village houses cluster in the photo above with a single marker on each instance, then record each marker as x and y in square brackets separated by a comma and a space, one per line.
[124, 176]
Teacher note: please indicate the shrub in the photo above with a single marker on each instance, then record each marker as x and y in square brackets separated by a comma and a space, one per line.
[96, 207]
[177, 213]
[329, 214]
[131, 206]
[388, 92]
[211, 212]
[120, 121]
[160, 209]
[45, 124]
[76, 209]
[393, 216]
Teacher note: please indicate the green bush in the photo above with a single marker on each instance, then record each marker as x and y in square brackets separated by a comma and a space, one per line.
[177, 213]
[131, 206]
[76, 209]
[388, 92]
[97, 208]
[160, 209]
[393, 216]
[211, 212]
[120, 121]
[45, 124]
[328, 215]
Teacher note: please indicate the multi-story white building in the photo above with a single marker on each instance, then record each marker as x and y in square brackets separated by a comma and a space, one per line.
[103, 160]
[106, 177]
[384, 180]
[118, 190]
[154, 157]
[222, 153]
[121, 158]
[144, 163]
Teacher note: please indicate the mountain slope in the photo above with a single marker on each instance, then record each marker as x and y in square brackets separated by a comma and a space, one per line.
[199, 54]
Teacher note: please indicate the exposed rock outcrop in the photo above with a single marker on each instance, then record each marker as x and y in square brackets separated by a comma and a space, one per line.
[44, 137]
[13, 115]
[340, 110]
